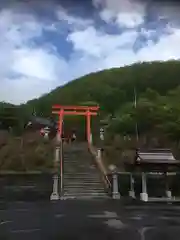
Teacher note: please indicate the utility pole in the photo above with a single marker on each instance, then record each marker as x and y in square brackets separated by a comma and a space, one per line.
[136, 124]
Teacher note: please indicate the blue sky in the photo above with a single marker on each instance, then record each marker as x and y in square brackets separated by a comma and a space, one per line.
[45, 44]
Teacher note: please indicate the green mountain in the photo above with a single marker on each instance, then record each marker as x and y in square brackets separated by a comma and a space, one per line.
[112, 88]
[114, 91]
[156, 117]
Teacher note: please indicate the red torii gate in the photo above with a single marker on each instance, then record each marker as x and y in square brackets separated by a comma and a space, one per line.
[86, 111]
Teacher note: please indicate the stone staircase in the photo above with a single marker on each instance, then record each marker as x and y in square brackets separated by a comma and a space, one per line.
[81, 177]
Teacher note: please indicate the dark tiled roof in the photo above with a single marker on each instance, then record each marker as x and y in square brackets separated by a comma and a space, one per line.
[155, 156]
[43, 121]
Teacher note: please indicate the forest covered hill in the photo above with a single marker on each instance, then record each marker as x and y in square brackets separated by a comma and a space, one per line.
[112, 88]
[156, 86]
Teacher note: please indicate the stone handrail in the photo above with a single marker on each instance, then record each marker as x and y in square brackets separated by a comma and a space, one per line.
[98, 158]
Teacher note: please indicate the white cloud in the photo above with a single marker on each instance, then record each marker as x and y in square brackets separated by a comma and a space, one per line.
[167, 10]
[22, 89]
[74, 21]
[38, 63]
[39, 69]
[167, 48]
[114, 51]
[124, 13]
[99, 43]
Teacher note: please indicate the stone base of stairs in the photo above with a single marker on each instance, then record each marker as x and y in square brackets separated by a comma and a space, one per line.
[84, 196]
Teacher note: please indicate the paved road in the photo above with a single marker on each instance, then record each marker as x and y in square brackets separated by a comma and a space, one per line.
[88, 220]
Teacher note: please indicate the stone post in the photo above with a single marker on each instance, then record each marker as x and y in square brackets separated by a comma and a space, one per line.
[46, 136]
[102, 134]
[55, 193]
[143, 194]
[115, 189]
[167, 191]
[99, 153]
[131, 191]
[91, 140]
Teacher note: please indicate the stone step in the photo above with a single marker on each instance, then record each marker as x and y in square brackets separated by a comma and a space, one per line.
[85, 196]
[80, 170]
[74, 166]
[82, 179]
[86, 164]
[93, 194]
[77, 154]
[74, 151]
[79, 167]
[77, 161]
[82, 174]
[81, 186]
[78, 174]
[83, 191]
[87, 182]
[99, 186]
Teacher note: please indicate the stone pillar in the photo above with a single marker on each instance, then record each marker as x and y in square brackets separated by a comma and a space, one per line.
[55, 193]
[57, 157]
[99, 153]
[131, 191]
[46, 136]
[115, 190]
[143, 194]
[101, 134]
[91, 140]
[167, 190]
[58, 138]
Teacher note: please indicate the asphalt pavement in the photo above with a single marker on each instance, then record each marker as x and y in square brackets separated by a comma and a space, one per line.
[88, 219]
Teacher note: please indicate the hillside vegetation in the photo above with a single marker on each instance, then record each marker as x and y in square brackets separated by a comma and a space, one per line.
[112, 88]
[157, 110]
